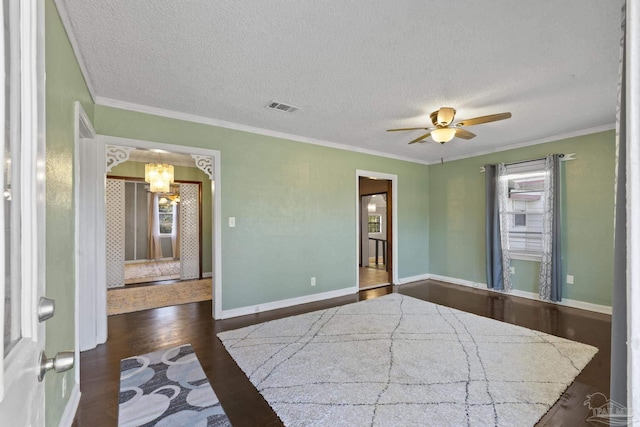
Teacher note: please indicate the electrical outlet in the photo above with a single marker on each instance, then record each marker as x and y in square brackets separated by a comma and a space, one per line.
[313, 281]
[512, 270]
[569, 279]
[257, 309]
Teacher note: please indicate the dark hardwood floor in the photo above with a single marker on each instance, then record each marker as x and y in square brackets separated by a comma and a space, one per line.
[145, 331]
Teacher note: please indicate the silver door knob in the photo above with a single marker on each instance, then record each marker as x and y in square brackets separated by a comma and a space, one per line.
[62, 361]
[46, 308]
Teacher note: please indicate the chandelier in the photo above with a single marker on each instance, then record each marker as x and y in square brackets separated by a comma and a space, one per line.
[159, 176]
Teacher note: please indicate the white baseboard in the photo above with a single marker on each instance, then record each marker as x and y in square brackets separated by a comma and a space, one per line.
[243, 311]
[72, 406]
[207, 274]
[598, 308]
[525, 294]
[411, 279]
[462, 282]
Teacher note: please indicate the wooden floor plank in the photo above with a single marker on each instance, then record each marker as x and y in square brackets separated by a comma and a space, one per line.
[149, 330]
[128, 299]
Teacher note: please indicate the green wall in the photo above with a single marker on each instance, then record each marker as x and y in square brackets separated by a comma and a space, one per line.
[294, 206]
[182, 173]
[64, 86]
[456, 214]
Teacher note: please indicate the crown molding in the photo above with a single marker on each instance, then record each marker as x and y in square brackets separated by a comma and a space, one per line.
[66, 23]
[172, 114]
[557, 137]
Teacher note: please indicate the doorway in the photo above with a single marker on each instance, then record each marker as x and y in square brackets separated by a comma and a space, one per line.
[377, 230]
[153, 230]
[106, 152]
[155, 251]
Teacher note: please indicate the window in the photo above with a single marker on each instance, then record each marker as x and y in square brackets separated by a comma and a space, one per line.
[524, 209]
[166, 211]
[520, 220]
[375, 223]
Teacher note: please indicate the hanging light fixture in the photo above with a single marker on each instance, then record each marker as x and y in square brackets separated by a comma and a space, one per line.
[174, 198]
[444, 134]
[159, 176]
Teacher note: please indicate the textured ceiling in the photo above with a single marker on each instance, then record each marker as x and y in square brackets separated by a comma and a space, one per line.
[358, 68]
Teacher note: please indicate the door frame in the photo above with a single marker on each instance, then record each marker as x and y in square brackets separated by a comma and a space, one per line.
[387, 230]
[394, 220]
[88, 247]
[130, 179]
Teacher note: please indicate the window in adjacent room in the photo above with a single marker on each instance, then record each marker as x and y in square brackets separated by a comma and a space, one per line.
[375, 223]
[166, 212]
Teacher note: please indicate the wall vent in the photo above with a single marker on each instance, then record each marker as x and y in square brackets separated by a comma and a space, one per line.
[279, 106]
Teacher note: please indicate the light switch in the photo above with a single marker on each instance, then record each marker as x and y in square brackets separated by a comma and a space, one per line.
[232, 221]
[569, 279]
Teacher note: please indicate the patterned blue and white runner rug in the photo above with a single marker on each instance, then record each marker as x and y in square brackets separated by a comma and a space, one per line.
[401, 361]
[167, 388]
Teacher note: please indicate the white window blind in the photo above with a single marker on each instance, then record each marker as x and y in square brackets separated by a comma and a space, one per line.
[524, 208]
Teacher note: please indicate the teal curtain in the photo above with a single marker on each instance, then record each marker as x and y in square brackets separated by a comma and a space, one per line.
[492, 230]
[550, 280]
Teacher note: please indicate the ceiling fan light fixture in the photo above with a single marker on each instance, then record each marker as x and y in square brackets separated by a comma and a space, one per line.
[443, 135]
[445, 116]
[446, 129]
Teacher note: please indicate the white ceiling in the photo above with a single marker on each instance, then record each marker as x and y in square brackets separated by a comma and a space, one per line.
[358, 68]
[156, 156]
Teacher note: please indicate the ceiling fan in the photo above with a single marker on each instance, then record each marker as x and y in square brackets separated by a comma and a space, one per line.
[445, 129]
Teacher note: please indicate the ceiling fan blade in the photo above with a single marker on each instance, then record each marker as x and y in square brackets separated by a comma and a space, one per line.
[421, 138]
[401, 129]
[484, 119]
[464, 134]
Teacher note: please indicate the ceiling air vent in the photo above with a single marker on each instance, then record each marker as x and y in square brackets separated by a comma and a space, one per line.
[279, 106]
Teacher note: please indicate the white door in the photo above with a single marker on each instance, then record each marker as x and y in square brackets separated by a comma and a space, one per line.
[22, 213]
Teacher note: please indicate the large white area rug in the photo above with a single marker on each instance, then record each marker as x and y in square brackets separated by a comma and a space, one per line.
[401, 361]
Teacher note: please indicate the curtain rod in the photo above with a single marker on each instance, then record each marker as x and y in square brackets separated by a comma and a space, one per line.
[563, 158]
